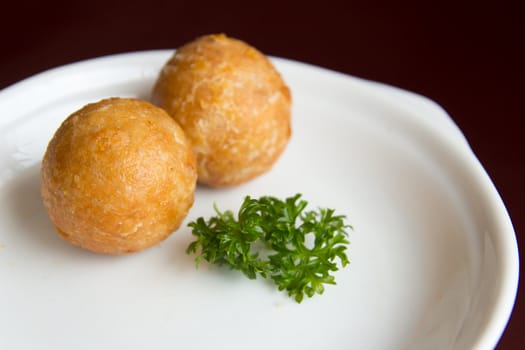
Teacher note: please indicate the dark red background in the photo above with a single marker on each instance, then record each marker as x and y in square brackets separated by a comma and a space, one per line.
[468, 57]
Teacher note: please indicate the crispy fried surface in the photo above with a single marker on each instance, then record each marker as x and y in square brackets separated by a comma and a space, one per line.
[118, 176]
[232, 104]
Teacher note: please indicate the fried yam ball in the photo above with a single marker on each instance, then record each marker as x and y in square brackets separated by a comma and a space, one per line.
[118, 176]
[232, 104]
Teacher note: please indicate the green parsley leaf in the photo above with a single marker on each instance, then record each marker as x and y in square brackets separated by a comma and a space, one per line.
[297, 248]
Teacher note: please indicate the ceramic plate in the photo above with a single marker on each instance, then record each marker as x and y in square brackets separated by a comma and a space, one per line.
[434, 262]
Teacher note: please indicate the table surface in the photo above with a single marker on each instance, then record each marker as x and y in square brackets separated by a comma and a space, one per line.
[468, 58]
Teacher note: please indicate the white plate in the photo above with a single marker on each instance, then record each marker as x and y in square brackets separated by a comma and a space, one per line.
[434, 261]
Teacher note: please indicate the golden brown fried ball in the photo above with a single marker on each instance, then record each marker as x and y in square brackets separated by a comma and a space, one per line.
[232, 104]
[118, 176]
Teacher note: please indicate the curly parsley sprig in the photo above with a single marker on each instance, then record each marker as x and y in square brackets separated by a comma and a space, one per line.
[269, 238]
